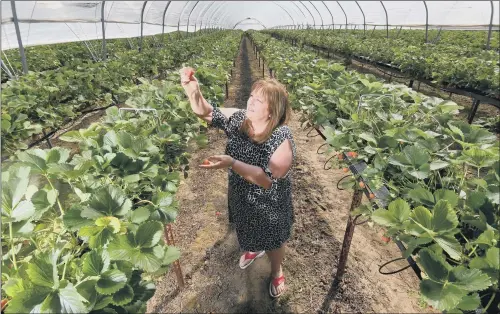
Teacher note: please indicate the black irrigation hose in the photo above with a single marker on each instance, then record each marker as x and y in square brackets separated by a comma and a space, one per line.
[317, 151]
[96, 109]
[363, 222]
[378, 67]
[326, 162]
[310, 132]
[338, 182]
[393, 272]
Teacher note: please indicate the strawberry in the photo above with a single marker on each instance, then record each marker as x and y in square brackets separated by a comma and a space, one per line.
[345, 169]
[189, 72]
[386, 239]
[4, 302]
[217, 213]
[362, 184]
[206, 162]
[371, 196]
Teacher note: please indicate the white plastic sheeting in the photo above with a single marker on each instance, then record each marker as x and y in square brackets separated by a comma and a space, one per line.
[46, 22]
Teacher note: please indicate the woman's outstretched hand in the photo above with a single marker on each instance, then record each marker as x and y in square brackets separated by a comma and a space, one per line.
[217, 162]
[188, 81]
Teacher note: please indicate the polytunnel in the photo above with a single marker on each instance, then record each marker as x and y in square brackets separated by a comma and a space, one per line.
[47, 22]
[115, 114]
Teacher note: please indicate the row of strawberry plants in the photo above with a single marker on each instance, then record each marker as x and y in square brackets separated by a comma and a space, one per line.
[447, 65]
[84, 233]
[442, 174]
[46, 100]
[53, 56]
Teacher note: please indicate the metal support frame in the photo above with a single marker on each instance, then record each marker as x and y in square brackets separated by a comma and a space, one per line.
[103, 32]
[293, 21]
[426, 22]
[364, 18]
[321, 17]
[19, 40]
[142, 25]
[344, 14]
[180, 16]
[314, 21]
[206, 12]
[189, 16]
[331, 15]
[209, 20]
[249, 18]
[202, 12]
[293, 2]
[490, 27]
[386, 19]
[163, 20]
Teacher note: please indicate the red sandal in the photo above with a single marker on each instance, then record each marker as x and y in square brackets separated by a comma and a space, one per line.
[276, 282]
[250, 256]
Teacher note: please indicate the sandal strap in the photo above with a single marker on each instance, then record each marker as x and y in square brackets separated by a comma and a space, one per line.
[278, 281]
[249, 255]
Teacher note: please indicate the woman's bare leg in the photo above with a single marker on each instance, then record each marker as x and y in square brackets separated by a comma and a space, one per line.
[276, 257]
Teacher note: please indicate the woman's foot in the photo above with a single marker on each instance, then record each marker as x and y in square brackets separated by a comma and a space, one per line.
[248, 258]
[277, 285]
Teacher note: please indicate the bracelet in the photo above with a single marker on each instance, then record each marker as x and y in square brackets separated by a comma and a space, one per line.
[232, 163]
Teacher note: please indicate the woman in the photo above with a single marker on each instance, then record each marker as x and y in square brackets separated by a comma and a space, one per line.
[259, 155]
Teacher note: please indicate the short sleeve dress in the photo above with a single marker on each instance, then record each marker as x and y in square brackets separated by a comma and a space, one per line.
[263, 218]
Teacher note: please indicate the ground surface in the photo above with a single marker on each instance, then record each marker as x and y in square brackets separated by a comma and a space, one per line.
[210, 251]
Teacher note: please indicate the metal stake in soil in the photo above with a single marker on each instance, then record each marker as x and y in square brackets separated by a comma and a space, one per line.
[346, 245]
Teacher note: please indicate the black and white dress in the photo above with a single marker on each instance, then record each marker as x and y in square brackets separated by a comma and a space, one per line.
[262, 218]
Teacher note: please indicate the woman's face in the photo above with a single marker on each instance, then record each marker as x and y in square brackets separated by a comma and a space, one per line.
[257, 107]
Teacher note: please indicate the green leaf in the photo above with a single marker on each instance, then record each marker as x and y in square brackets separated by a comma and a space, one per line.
[148, 260]
[396, 215]
[94, 263]
[42, 200]
[140, 215]
[444, 217]
[448, 285]
[110, 201]
[490, 263]
[132, 178]
[23, 211]
[171, 255]
[434, 266]
[112, 222]
[368, 137]
[110, 139]
[123, 296]
[447, 195]
[14, 190]
[423, 217]
[111, 281]
[149, 234]
[87, 290]
[26, 301]
[123, 247]
[469, 302]
[438, 164]
[450, 244]
[441, 296]
[13, 286]
[73, 220]
[41, 271]
[36, 163]
[66, 300]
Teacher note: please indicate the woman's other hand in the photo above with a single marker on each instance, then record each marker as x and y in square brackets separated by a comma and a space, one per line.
[188, 81]
[217, 162]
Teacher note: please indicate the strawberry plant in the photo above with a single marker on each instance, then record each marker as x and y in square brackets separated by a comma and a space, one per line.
[84, 232]
[442, 173]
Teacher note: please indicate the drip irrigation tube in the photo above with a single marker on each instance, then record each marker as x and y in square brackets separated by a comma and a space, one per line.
[395, 271]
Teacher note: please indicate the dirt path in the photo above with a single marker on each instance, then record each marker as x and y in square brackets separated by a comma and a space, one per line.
[210, 252]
